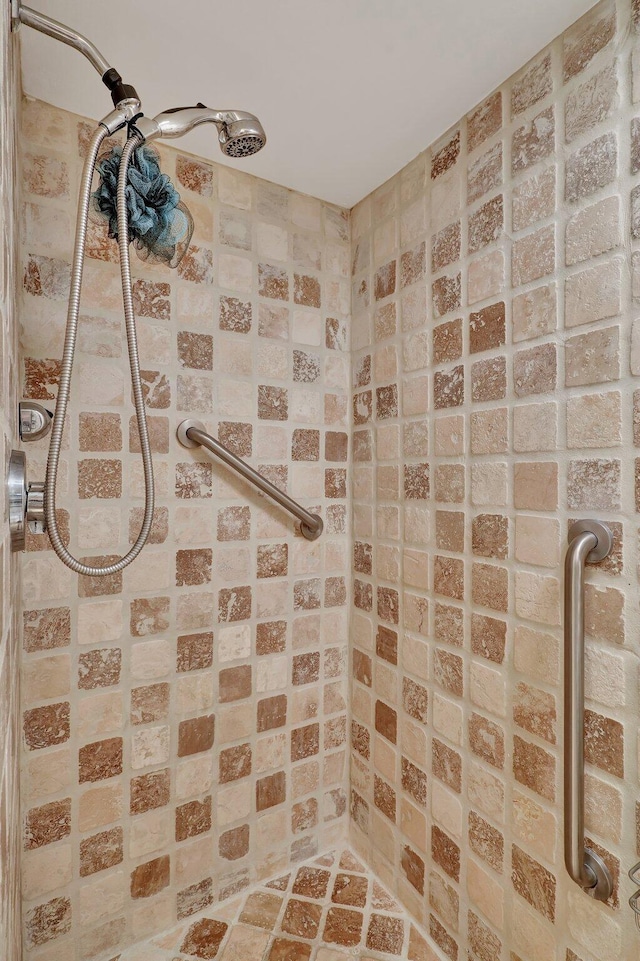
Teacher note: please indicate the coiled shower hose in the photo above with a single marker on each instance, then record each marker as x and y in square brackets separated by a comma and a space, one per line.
[69, 350]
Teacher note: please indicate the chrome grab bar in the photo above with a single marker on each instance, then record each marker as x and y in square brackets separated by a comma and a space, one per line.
[588, 541]
[191, 433]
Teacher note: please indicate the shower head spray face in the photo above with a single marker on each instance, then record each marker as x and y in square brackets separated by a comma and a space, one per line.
[242, 138]
[240, 134]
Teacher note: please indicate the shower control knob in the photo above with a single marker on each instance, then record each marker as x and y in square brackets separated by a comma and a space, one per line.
[17, 498]
[25, 502]
[34, 420]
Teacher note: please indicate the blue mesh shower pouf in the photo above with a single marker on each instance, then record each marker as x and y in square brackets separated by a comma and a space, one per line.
[160, 226]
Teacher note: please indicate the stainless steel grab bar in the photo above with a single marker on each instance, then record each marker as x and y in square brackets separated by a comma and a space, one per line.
[588, 541]
[191, 433]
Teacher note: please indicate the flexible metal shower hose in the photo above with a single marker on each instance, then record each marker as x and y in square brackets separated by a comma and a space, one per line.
[68, 355]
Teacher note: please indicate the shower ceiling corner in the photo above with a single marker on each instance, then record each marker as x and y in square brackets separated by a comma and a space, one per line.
[349, 90]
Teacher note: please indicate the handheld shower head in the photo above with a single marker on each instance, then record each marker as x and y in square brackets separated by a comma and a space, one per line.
[242, 137]
[240, 134]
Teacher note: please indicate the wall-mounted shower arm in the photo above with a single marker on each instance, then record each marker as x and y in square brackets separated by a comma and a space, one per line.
[59, 31]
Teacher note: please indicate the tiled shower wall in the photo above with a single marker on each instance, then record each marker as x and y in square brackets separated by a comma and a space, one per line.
[494, 354]
[10, 947]
[495, 351]
[184, 722]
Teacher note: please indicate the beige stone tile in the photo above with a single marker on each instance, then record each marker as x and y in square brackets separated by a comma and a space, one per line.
[530, 934]
[536, 654]
[447, 718]
[594, 358]
[150, 833]
[487, 689]
[48, 774]
[149, 747]
[446, 809]
[489, 485]
[193, 860]
[485, 893]
[489, 431]
[150, 659]
[537, 597]
[485, 277]
[534, 200]
[603, 808]
[535, 427]
[100, 713]
[487, 791]
[537, 540]
[449, 436]
[46, 869]
[594, 420]
[593, 294]
[101, 898]
[605, 677]
[535, 486]
[46, 677]
[603, 934]
[533, 256]
[535, 826]
[156, 915]
[593, 231]
[534, 313]
[100, 806]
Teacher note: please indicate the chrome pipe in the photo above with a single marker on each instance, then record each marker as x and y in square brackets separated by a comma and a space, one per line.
[191, 433]
[588, 541]
[59, 31]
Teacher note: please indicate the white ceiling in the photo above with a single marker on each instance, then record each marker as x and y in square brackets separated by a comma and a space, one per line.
[349, 91]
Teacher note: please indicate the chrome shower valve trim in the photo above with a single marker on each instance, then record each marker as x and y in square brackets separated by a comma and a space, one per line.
[25, 502]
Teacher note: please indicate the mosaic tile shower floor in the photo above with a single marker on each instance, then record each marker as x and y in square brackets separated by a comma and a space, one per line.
[330, 908]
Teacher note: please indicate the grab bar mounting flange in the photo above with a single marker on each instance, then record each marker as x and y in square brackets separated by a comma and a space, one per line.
[602, 534]
[182, 433]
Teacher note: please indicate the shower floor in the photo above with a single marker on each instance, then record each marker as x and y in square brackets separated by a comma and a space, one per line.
[330, 908]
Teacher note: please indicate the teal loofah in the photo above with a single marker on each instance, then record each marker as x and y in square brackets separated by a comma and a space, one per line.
[160, 226]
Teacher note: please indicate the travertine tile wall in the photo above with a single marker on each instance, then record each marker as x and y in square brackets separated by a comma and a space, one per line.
[185, 722]
[495, 355]
[483, 422]
[10, 833]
